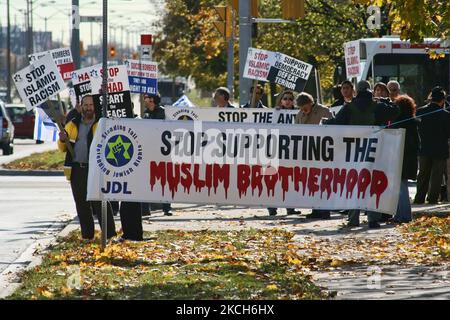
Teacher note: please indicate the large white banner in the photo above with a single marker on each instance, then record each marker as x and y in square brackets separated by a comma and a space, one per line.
[254, 115]
[259, 165]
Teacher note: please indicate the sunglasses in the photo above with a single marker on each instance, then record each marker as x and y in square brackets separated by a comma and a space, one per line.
[286, 98]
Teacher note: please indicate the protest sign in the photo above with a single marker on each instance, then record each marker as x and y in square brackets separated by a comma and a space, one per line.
[142, 76]
[119, 98]
[278, 68]
[252, 115]
[258, 64]
[289, 72]
[81, 80]
[63, 60]
[352, 59]
[38, 82]
[259, 165]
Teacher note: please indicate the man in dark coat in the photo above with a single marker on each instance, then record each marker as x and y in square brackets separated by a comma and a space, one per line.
[434, 131]
[258, 96]
[363, 110]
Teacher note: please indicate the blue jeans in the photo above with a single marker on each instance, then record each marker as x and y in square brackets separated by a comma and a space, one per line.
[404, 206]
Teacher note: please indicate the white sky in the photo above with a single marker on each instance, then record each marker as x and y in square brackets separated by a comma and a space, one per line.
[134, 16]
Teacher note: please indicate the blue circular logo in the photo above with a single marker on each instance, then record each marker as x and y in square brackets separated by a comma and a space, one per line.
[119, 150]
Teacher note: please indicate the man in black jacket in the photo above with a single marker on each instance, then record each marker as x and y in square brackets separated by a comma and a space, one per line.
[154, 111]
[363, 110]
[258, 96]
[434, 132]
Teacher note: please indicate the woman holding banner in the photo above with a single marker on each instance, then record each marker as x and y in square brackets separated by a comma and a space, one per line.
[285, 101]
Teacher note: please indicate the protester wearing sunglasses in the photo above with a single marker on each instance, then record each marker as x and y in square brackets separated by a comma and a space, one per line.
[285, 101]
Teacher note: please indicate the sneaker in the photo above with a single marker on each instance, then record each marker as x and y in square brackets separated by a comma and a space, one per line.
[374, 225]
[168, 213]
[272, 212]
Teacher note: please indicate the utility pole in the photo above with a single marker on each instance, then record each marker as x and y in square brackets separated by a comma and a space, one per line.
[230, 58]
[75, 44]
[104, 106]
[245, 42]
[8, 55]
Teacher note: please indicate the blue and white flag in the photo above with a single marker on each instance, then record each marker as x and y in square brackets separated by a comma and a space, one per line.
[184, 102]
[44, 128]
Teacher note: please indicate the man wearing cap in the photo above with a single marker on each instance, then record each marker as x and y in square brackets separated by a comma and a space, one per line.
[434, 132]
[364, 111]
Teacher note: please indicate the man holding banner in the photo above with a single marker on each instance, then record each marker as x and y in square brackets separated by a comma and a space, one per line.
[364, 111]
[80, 131]
[258, 96]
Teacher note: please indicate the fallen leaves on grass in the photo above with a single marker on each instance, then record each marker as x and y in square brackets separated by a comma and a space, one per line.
[250, 264]
[50, 160]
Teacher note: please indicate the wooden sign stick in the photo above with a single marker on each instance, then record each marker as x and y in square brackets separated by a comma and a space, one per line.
[255, 83]
[58, 116]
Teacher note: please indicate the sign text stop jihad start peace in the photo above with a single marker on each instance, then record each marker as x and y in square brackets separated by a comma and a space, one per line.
[38, 82]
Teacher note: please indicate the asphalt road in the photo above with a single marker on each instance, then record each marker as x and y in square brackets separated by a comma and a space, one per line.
[31, 208]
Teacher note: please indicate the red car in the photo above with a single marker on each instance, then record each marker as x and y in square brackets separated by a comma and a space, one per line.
[22, 119]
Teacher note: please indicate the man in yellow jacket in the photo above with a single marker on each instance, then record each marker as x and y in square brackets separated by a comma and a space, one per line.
[79, 132]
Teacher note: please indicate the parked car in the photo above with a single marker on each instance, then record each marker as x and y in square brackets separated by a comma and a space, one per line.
[7, 131]
[22, 119]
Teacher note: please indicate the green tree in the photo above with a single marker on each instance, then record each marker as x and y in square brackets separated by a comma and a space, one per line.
[190, 45]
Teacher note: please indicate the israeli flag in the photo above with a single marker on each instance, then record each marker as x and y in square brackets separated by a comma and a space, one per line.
[184, 102]
[44, 128]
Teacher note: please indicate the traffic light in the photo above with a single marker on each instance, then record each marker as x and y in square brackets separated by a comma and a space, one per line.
[293, 9]
[225, 24]
[112, 51]
[254, 6]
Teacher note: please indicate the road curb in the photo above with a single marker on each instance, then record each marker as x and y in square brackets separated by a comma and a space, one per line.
[34, 173]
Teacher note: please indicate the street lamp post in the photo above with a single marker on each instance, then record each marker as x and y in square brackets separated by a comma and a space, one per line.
[75, 43]
[104, 104]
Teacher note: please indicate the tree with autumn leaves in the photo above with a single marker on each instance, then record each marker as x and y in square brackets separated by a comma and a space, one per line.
[189, 44]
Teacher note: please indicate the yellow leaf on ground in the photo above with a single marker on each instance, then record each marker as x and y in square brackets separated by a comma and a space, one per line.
[272, 287]
[336, 263]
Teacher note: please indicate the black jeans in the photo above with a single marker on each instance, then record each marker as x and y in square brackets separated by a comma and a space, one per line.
[86, 209]
[131, 219]
[429, 179]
